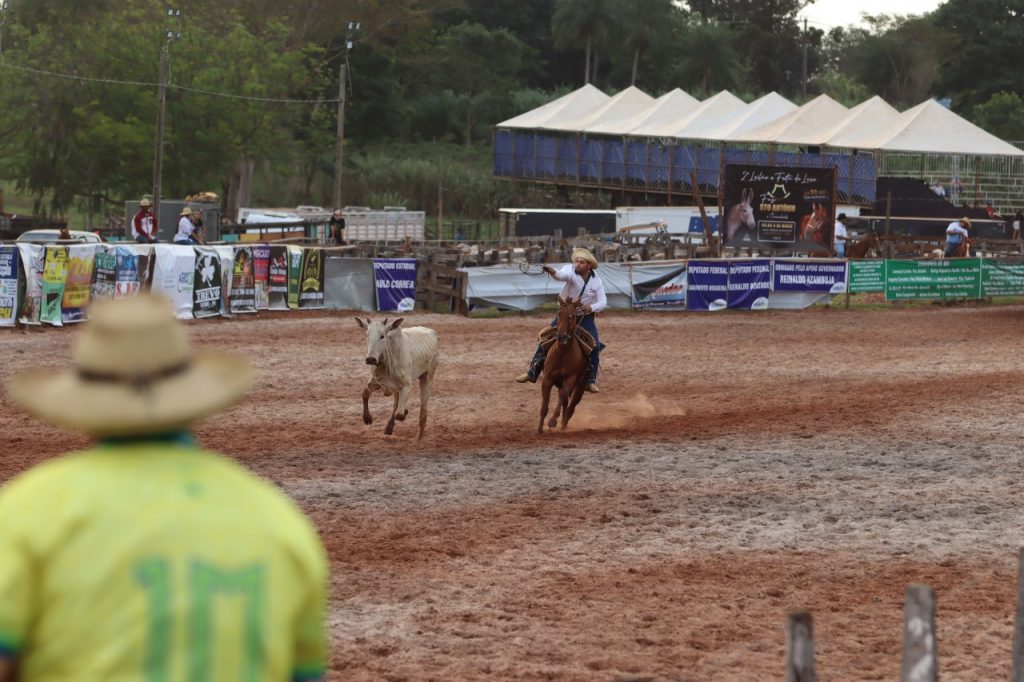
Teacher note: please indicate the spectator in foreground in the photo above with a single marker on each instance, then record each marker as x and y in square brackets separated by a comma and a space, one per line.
[145, 556]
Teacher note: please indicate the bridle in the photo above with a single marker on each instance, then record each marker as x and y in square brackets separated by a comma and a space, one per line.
[573, 324]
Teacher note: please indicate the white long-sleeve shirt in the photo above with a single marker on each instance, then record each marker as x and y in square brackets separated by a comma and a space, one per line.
[593, 295]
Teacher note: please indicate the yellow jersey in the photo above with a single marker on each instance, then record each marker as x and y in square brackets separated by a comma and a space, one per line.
[156, 561]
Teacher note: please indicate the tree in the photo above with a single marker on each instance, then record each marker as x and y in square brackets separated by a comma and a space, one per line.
[1002, 115]
[646, 22]
[581, 21]
[708, 62]
[982, 60]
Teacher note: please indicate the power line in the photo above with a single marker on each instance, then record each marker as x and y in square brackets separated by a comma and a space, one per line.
[147, 84]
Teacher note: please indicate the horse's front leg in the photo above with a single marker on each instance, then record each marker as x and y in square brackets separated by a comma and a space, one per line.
[390, 428]
[577, 395]
[559, 407]
[371, 386]
[545, 395]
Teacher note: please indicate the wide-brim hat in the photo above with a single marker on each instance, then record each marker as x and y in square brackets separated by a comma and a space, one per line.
[133, 374]
[966, 221]
[186, 211]
[144, 203]
[585, 254]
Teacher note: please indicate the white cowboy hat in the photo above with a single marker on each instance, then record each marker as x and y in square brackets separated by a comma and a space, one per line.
[134, 374]
[186, 211]
[146, 201]
[585, 254]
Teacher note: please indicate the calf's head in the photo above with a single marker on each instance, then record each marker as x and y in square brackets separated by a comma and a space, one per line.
[377, 334]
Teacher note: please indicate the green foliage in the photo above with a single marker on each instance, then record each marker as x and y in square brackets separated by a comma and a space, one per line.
[1002, 115]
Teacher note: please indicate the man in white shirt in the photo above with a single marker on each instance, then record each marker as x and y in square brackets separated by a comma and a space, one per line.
[956, 232]
[185, 228]
[580, 282]
[840, 235]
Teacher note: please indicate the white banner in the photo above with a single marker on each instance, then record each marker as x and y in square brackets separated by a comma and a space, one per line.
[173, 276]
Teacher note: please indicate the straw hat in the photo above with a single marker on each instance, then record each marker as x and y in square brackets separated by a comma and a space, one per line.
[145, 202]
[966, 222]
[186, 211]
[586, 255]
[133, 374]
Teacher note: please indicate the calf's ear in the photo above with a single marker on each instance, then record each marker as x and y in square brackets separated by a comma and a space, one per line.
[360, 322]
[396, 324]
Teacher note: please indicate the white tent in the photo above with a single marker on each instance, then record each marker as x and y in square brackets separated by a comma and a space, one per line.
[621, 107]
[757, 113]
[798, 126]
[573, 105]
[867, 117]
[931, 128]
[696, 120]
[671, 105]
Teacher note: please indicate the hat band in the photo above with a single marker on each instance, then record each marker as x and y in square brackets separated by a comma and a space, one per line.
[140, 382]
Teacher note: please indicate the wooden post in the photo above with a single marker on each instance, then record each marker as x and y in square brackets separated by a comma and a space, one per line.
[920, 659]
[704, 218]
[800, 648]
[888, 224]
[1018, 625]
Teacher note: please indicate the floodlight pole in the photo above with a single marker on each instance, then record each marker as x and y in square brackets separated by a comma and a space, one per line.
[339, 144]
[158, 154]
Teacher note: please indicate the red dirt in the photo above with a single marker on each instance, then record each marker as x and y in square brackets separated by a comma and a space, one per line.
[734, 468]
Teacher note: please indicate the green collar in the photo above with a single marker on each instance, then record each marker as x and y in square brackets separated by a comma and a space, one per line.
[170, 438]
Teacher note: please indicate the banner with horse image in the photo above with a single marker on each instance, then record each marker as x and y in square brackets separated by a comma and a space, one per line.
[78, 284]
[311, 284]
[779, 208]
[206, 283]
[277, 278]
[809, 276]
[261, 274]
[243, 281]
[395, 283]
[9, 269]
[738, 284]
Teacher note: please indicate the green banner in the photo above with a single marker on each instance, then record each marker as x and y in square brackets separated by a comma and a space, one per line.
[923, 279]
[1002, 279]
[867, 275]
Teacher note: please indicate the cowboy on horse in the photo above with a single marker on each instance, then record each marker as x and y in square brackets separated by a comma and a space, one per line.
[580, 282]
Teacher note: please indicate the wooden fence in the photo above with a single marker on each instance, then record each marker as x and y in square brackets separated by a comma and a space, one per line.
[440, 285]
[920, 661]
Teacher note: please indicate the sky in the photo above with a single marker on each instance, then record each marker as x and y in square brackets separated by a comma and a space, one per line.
[828, 13]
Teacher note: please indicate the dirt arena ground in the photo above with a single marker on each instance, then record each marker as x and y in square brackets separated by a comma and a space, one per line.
[734, 468]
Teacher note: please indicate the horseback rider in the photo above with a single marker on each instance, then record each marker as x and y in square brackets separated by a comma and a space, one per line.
[956, 232]
[580, 282]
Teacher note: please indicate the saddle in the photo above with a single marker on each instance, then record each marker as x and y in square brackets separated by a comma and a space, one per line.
[548, 335]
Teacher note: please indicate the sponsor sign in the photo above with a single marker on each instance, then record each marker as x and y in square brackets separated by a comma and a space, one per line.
[9, 268]
[809, 276]
[395, 280]
[925, 279]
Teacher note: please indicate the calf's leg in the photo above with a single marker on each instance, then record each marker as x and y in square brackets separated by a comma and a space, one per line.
[424, 398]
[390, 428]
[371, 386]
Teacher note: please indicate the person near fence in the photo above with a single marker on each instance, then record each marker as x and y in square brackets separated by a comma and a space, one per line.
[198, 228]
[337, 225]
[1018, 219]
[841, 235]
[956, 232]
[580, 281]
[145, 556]
[186, 228]
[144, 224]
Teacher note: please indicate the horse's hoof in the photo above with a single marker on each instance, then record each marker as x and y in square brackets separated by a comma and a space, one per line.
[367, 419]
[553, 423]
[389, 430]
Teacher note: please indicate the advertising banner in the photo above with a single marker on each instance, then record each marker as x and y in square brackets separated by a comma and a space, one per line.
[55, 274]
[772, 207]
[277, 278]
[9, 261]
[104, 273]
[928, 279]
[243, 281]
[32, 257]
[311, 286]
[1002, 279]
[809, 276]
[261, 273]
[750, 283]
[867, 276]
[294, 275]
[127, 282]
[395, 281]
[174, 276]
[226, 253]
[707, 285]
[667, 293]
[206, 282]
[78, 286]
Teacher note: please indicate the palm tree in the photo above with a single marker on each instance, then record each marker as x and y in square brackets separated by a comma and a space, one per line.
[708, 58]
[581, 21]
[646, 22]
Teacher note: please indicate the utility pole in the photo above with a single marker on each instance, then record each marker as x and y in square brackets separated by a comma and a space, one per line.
[803, 79]
[3, 20]
[161, 99]
[339, 144]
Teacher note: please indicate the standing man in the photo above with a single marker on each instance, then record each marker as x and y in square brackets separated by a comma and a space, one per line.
[840, 235]
[146, 557]
[338, 227]
[144, 224]
[580, 282]
[956, 232]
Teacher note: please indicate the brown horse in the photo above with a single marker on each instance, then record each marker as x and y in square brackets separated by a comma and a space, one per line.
[564, 367]
[964, 249]
[864, 245]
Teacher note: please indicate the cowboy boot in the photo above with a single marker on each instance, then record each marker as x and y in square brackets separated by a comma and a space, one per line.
[535, 368]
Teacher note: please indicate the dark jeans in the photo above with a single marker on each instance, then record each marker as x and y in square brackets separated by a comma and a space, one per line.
[594, 364]
[951, 248]
[143, 239]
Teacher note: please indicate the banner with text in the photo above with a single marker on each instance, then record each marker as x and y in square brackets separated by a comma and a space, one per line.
[311, 288]
[667, 293]
[779, 207]
[395, 280]
[243, 281]
[867, 276]
[1002, 279]
[9, 261]
[261, 274]
[930, 279]
[206, 283]
[809, 276]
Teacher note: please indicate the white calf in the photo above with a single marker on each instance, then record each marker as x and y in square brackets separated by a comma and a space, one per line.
[398, 357]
